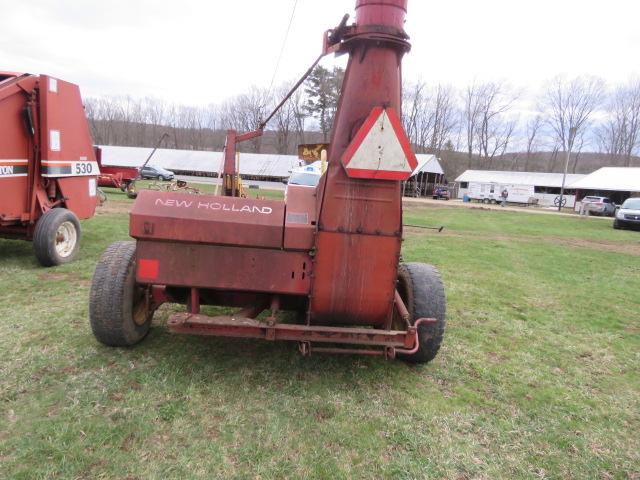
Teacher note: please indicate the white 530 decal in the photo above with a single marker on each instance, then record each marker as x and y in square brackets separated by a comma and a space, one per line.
[63, 168]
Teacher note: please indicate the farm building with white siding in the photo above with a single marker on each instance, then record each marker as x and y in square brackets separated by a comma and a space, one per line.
[522, 187]
[253, 166]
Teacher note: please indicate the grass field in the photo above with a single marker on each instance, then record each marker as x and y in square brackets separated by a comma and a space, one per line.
[538, 376]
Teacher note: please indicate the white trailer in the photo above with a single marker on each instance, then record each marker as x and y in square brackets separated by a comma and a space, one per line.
[491, 192]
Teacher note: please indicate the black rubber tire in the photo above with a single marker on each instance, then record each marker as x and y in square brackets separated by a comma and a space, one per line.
[113, 297]
[422, 291]
[45, 237]
[616, 224]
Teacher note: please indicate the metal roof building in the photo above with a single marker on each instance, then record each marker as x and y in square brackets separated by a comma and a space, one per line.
[428, 164]
[256, 165]
[537, 179]
[617, 179]
[198, 162]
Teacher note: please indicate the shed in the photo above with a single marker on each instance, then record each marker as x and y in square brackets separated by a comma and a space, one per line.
[617, 183]
[427, 174]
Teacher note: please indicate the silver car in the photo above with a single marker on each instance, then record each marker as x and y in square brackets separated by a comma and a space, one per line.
[628, 215]
[598, 206]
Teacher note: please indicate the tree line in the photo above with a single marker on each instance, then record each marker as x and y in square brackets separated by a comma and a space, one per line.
[488, 120]
[306, 117]
[487, 125]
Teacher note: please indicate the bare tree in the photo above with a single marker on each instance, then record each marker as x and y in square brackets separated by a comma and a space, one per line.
[570, 104]
[429, 116]
[533, 129]
[298, 102]
[488, 128]
[471, 116]
[245, 112]
[285, 119]
[444, 118]
[619, 135]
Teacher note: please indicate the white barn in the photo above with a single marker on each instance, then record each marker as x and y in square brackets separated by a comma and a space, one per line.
[253, 166]
[200, 163]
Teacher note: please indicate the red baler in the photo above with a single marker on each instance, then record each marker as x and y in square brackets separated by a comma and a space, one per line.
[48, 170]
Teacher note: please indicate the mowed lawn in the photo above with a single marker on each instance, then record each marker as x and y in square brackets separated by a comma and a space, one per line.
[538, 375]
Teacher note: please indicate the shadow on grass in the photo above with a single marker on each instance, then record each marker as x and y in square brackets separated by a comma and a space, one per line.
[18, 253]
[242, 367]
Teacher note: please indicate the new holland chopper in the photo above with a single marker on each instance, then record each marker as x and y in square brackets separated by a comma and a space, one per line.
[331, 254]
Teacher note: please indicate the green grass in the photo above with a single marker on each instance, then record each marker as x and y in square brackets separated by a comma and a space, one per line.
[537, 378]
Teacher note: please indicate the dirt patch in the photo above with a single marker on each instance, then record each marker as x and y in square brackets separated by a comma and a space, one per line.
[599, 245]
[61, 277]
[114, 208]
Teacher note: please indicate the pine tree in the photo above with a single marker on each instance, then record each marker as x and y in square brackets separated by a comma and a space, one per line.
[323, 91]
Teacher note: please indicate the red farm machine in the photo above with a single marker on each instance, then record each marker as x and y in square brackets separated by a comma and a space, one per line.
[331, 254]
[123, 178]
[48, 169]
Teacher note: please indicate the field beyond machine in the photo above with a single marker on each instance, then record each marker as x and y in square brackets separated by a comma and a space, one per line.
[48, 169]
[330, 255]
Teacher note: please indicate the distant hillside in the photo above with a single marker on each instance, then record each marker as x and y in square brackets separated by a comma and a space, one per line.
[130, 134]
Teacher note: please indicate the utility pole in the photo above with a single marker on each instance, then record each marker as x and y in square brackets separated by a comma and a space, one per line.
[572, 136]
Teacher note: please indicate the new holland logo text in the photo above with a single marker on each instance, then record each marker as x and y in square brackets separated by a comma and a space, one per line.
[13, 168]
[215, 206]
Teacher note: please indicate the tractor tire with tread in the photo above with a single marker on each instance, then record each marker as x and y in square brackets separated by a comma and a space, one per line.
[117, 305]
[56, 238]
[422, 291]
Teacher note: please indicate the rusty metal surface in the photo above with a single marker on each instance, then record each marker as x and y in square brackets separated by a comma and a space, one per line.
[360, 221]
[224, 268]
[230, 326]
[209, 219]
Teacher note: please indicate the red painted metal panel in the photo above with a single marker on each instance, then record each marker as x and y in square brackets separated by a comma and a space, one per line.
[207, 219]
[358, 288]
[14, 157]
[62, 111]
[226, 268]
[300, 218]
[81, 195]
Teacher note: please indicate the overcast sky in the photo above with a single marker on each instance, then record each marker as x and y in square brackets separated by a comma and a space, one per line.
[199, 52]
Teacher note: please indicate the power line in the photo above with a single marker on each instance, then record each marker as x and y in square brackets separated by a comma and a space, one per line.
[284, 43]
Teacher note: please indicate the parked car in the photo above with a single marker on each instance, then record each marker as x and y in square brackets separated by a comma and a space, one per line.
[305, 177]
[628, 215]
[156, 173]
[441, 193]
[599, 206]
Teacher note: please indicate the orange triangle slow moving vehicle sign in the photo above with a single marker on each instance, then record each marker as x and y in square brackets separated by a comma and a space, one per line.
[381, 149]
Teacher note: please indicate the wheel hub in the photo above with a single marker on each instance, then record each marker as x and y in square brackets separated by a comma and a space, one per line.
[66, 239]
